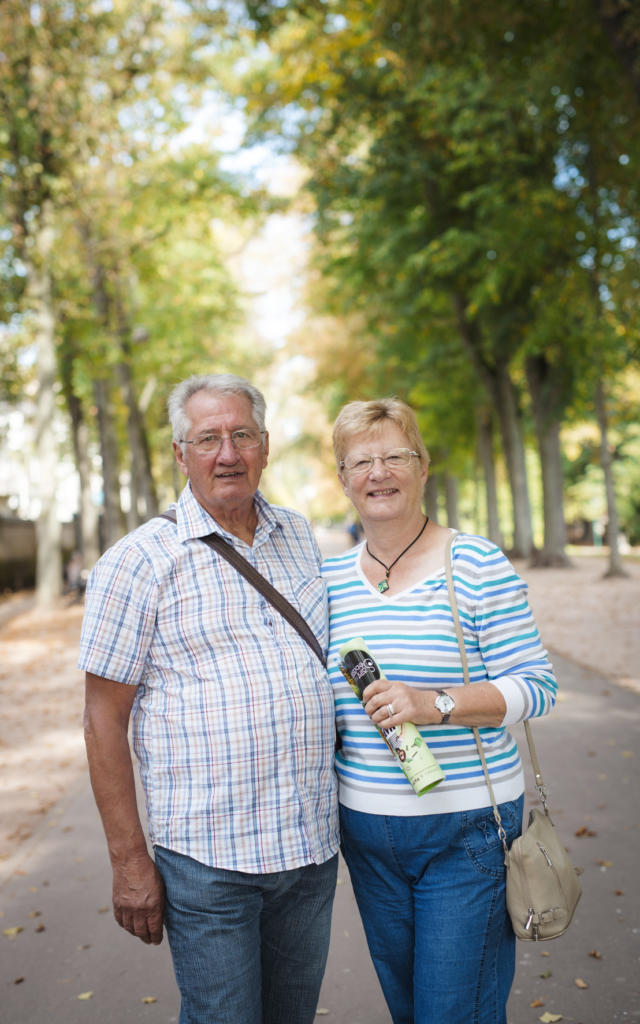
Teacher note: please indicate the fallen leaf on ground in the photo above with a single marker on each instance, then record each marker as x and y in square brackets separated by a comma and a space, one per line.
[605, 863]
[40, 928]
[85, 995]
[149, 999]
[321, 1012]
[580, 983]
[18, 981]
[537, 1003]
[12, 932]
[546, 974]
[584, 831]
[550, 1018]
[596, 956]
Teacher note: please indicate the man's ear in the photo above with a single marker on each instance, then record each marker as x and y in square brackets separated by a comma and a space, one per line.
[180, 458]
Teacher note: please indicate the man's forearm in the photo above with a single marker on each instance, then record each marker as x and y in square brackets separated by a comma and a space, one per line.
[138, 891]
[114, 789]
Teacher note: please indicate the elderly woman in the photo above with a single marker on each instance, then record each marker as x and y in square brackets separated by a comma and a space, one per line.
[428, 871]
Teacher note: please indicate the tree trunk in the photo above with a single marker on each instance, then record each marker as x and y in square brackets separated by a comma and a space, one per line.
[484, 421]
[111, 522]
[502, 391]
[46, 457]
[431, 497]
[144, 501]
[88, 544]
[544, 398]
[451, 501]
[606, 460]
[111, 525]
[513, 445]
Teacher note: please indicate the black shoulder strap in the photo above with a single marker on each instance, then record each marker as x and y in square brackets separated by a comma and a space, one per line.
[257, 580]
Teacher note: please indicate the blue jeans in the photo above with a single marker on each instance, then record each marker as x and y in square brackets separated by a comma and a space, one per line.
[431, 894]
[247, 949]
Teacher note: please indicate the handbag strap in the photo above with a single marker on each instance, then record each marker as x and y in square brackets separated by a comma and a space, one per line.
[257, 580]
[448, 564]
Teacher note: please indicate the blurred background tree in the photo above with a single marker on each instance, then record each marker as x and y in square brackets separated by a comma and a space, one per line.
[466, 237]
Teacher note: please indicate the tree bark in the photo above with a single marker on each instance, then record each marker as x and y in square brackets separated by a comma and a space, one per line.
[502, 391]
[544, 392]
[431, 497]
[48, 526]
[484, 421]
[606, 460]
[144, 501]
[451, 501]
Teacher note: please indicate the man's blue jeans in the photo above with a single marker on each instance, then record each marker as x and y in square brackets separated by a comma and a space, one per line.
[247, 949]
[431, 894]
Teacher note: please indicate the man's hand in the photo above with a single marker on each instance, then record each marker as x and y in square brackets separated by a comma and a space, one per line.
[138, 898]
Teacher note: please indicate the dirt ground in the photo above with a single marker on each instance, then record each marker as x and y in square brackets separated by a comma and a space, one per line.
[582, 616]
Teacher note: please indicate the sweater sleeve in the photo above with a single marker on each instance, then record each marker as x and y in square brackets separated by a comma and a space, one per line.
[506, 633]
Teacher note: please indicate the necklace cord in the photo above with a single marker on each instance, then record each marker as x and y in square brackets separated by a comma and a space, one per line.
[388, 568]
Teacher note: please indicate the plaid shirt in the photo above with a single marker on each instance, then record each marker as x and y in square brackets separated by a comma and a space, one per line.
[233, 719]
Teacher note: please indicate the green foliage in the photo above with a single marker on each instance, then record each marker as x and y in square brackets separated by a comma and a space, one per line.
[474, 170]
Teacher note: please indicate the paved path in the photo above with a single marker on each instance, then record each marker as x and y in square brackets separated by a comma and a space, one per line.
[59, 894]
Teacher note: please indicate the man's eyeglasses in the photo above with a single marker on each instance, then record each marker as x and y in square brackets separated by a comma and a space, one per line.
[242, 440]
[397, 458]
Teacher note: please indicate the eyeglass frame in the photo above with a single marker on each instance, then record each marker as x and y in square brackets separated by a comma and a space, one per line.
[226, 437]
[371, 460]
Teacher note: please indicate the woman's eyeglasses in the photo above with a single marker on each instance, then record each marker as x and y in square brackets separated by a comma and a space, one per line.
[397, 458]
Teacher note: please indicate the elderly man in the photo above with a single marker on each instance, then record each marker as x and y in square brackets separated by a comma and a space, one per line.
[233, 727]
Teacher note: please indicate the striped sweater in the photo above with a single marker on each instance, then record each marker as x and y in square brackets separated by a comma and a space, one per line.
[412, 637]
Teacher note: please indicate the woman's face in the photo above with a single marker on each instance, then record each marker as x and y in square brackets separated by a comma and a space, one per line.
[383, 492]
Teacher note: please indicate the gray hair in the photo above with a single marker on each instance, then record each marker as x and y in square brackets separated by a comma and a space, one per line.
[218, 384]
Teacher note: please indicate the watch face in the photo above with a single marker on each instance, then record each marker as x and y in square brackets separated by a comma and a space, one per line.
[444, 703]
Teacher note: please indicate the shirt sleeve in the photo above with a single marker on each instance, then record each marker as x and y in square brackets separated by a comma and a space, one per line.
[512, 653]
[120, 613]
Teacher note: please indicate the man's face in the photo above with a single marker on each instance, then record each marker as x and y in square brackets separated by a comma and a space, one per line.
[223, 482]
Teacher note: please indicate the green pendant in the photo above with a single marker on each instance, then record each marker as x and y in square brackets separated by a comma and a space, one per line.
[382, 586]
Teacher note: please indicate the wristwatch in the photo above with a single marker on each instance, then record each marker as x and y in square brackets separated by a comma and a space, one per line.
[445, 705]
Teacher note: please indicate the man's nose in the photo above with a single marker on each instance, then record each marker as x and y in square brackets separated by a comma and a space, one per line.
[228, 451]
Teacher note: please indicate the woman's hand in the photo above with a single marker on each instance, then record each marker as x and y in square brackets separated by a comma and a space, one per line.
[390, 704]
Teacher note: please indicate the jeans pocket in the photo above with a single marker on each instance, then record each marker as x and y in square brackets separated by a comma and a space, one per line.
[480, 835]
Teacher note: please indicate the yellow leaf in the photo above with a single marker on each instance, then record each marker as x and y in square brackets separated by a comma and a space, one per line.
[12, 932]
[550, 1018]
[149, 999]
[85, 995]
[320, 1012]
[580, 983]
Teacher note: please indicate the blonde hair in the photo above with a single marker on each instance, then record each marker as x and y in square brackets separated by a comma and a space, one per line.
[358, 417]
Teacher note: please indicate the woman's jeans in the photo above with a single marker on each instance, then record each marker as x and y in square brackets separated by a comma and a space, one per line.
[431, 894]
[247, 949]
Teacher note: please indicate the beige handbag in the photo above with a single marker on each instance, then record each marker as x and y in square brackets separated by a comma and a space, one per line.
[542, 885]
